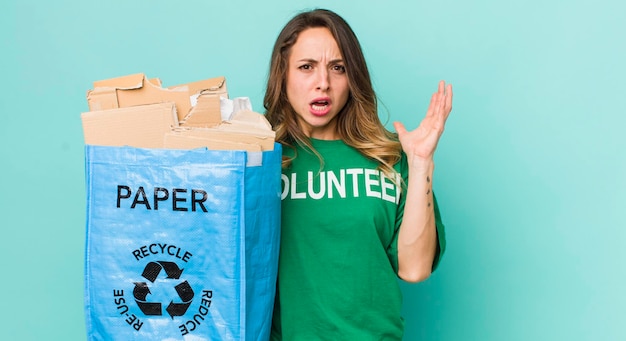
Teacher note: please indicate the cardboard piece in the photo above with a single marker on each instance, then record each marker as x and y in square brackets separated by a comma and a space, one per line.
[178, 140]
[206, 112]
[136, 89]
[245, 126]
[141, 127]
[263, 141]
[136, 111]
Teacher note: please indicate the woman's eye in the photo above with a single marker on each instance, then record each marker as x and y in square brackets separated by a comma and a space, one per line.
[339, 68]
[305, 67]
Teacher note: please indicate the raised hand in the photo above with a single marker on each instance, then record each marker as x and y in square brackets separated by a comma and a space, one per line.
[422, 142]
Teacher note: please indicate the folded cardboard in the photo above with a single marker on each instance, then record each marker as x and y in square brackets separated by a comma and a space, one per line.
[244, 127]
[181, 140]
[136, 111]
[205, 112]
[137, 89]
[196, 135]
[142, 126]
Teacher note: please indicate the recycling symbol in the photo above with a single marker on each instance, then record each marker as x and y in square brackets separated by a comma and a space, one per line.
[184, 290]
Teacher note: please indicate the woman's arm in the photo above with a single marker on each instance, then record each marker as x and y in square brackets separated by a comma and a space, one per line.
[417, 239]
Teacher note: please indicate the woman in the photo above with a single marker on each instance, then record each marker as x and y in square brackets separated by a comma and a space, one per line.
[358, 208]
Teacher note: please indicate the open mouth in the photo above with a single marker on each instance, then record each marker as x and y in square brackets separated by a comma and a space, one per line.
[320, 106]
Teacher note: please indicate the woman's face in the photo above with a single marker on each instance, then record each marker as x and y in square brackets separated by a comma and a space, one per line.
[317, 84]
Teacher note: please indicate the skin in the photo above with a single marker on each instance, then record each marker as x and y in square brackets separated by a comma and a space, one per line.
[317, 84]
[417, 239]
[317, 88]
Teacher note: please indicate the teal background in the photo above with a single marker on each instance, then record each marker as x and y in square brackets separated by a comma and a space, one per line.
[530, 171]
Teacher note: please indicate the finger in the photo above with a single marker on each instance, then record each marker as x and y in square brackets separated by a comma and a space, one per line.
[447, 102]
[432, 106]
[441, 114]
[437, 100]
[440, 96]
[445, 105]
[400, 129]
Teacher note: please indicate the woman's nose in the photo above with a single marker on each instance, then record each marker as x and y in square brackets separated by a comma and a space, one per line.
[323, 82]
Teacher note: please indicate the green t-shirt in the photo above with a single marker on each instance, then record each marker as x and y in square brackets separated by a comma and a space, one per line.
[337, 277]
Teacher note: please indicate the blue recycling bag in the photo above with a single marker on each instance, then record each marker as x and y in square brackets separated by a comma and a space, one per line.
[181, 244]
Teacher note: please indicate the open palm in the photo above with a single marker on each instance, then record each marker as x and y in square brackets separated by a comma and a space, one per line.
[422, 142]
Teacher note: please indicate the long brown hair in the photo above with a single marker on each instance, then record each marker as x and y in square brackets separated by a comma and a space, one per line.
[358, 124]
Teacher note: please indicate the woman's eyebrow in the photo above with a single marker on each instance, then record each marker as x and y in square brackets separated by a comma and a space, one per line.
[311, 60]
